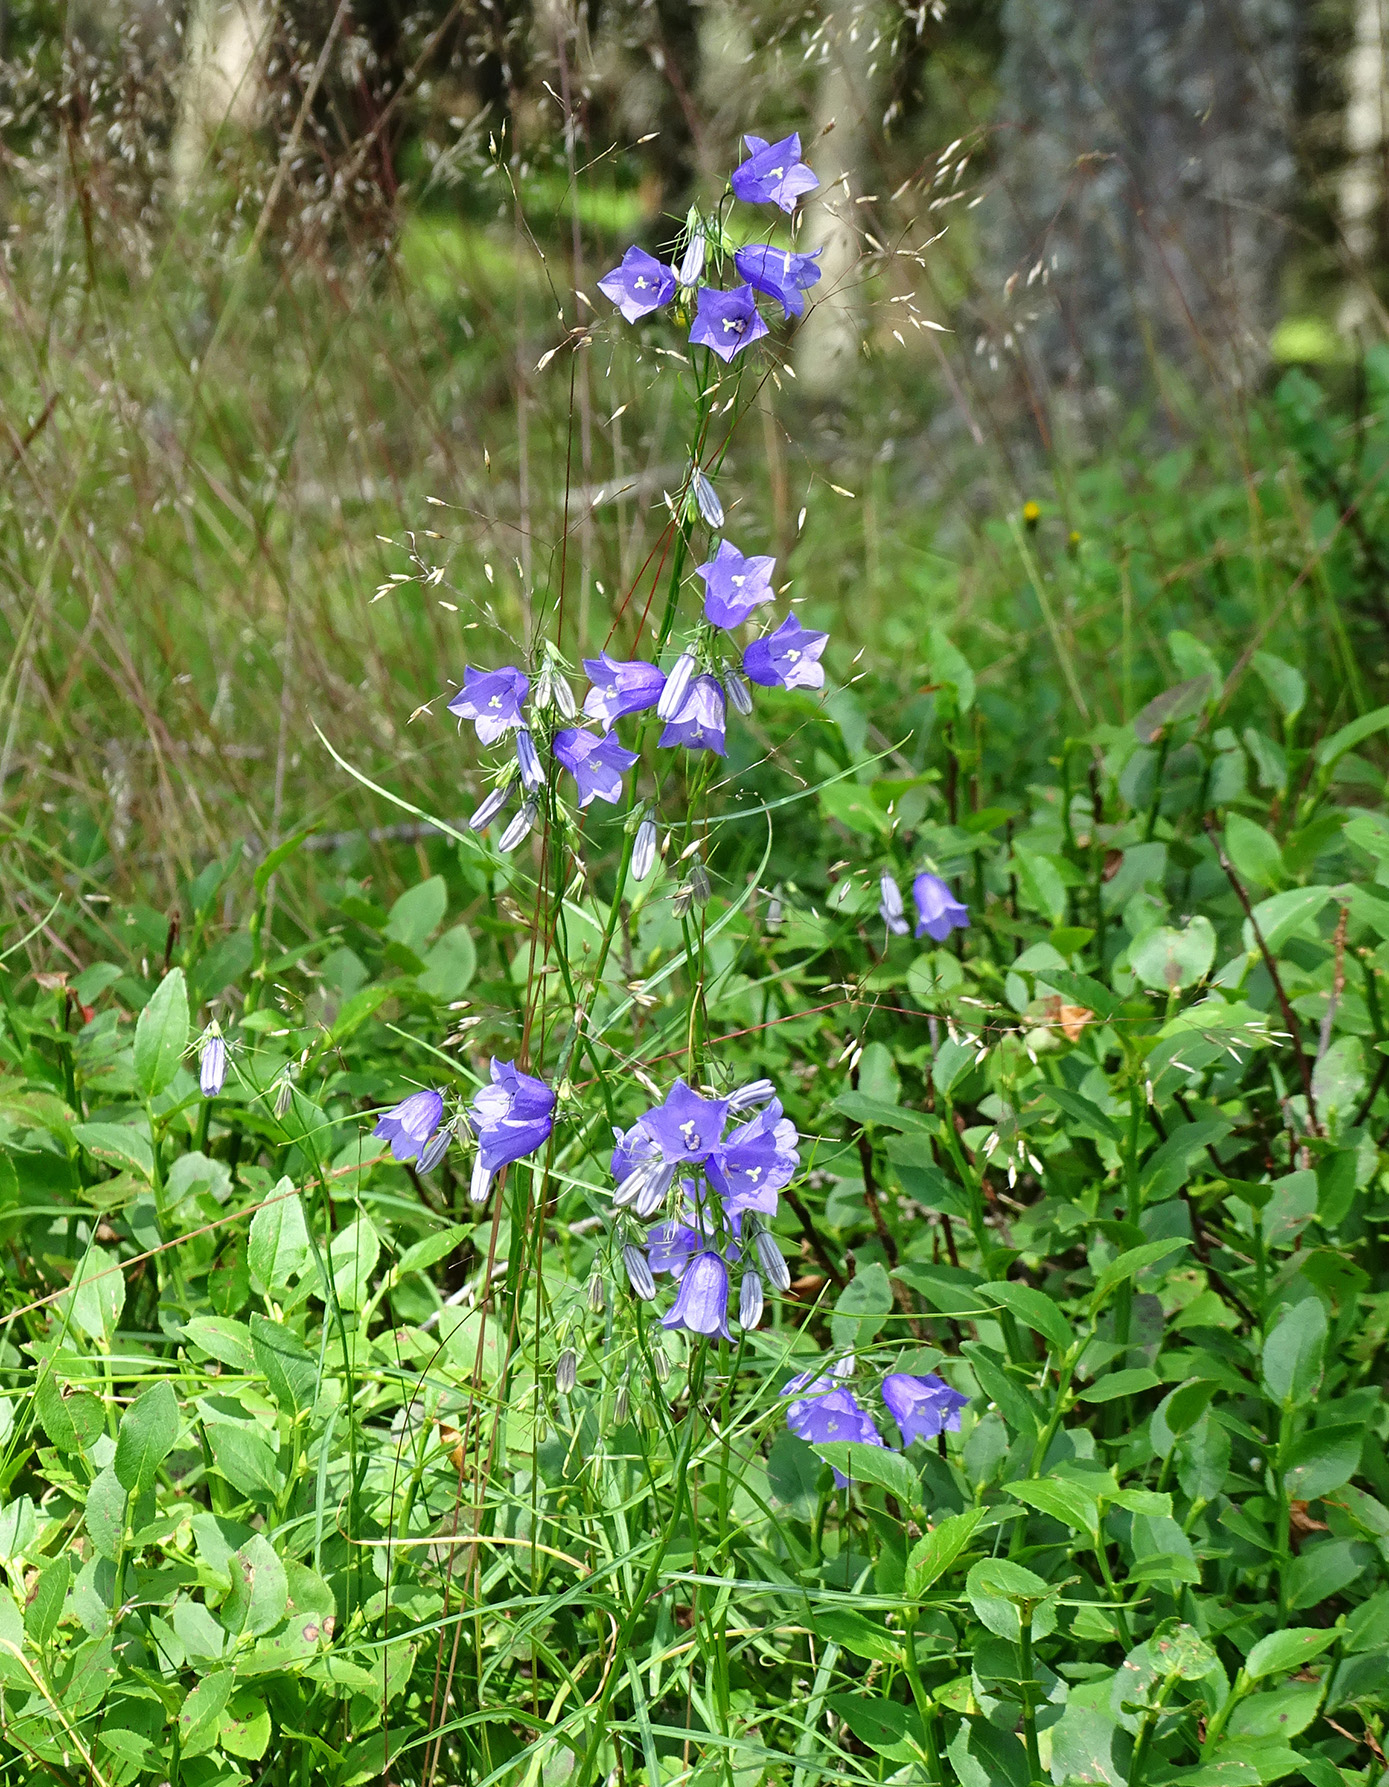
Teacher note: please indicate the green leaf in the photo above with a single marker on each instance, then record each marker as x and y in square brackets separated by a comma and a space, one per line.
[999, 1590]
[1168, 960]
[862, 1307]
[97, 1296]
[1350, 736]
[983, 1756]
[1115, 1384]
[279, 855]
[278, 1245]
[1040, 884]
[72, 1419]
[852, 1632]
[854, 807]
[1322, 1460]
[286, 1364]
[1035, 1308]
[1130, 1264]
[1280, 1653]
[1016, 1405]
[873, 1110]
[1061, 1498]
[949, 665]
[161, 1034]
[1087, 1745]
[1283, 914]
[937, 1550]
[1253, 851]
[450, 966]
[1282, 1714]
[1081, 989]
[117, 1145]
[45, 1607]
[953, 1061]
[881, 1724]
[1292, 1355]
[1176, 703]
[246, 1460]
[352, 1260]
[259, 1589]
[873, 1464]
[245, 1727]
[1084, 1115]
[426, 1253]
[106, 1502]
[418, 913]
[147, 1435]
[226, 1339]
[201, 1716]
[1321, 1571]
[1287, 686]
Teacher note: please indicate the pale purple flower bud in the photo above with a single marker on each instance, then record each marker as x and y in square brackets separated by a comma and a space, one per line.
[481, 1182]
[528, 762]
[434, 1150]
[706, 500]
[890, 908]
[566, 1371]
[563, 697]
[662, 1364]
[655, 1191]
[739, 694]
[750, 1300]
[771, 1260]
[681, 671]
[284, 1096]
[692, 264]
[520, 827]
[644, 850]
[754, 1093]
[489, 809]
[700, 887]
[638, 1273]
[212, 1065]
[622, 1403]
[595, 1294]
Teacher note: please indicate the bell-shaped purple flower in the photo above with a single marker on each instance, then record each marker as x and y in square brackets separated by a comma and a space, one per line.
[212, 1065]
[670, 1247]
[773, 173]
[685, 1127]
[938, 911]
[727, 322]
[639, 284]
[890, 907]
[491, 699]
[621, 686]
[700, 721]
[409, 1125]
[702, 1305]
[734, 585]
[756, 1162]
[922, 1407]
[596, 762]
[829, 1412]
[779, 274]
[512, 1117]
[788, 658]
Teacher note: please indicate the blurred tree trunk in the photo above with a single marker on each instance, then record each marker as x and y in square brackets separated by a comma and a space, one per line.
[1360, 194]
[1145, 170]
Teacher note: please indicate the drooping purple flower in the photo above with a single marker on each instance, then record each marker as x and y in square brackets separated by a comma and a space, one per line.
[773, 173]
[685, 1127]
[734, 585]
[512, 1117]
[938, 911]
[621, 686]
[212, 1065]
[596, 762]
[922, 1407]
[727, 322]
[829, 1412]
[890, 907]
[702, 1305]
[788, 658]
[491, 699]
[528, 762]
[639, 284]
[641, 1171]
[409, 1125]
[700, 720]
[779, 274]
[756, 1162]
[670, 1247]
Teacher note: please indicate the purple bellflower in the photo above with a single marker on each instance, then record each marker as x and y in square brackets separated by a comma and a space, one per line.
[212, 1064]
[756, 1162]
[409, 1125]
[779, 274]
[639, 285]
[922, 1407]
[621, 687]
[773, 173]
[829, 1412]
[788, 658]
[890, 908]
[700, 720]
[938, 911]
[702, 1305]
[685, 1127]
[597, 763]
[512, 1117]
[727, 322]
[491, 699]
[734, 585]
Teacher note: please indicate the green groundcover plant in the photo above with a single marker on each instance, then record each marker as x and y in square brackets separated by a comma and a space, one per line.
[661, 1300]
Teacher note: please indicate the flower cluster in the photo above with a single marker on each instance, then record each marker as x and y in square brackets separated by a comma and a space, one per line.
[728, 1179]
[509, 1119]
[825, 1409]
[938, 912]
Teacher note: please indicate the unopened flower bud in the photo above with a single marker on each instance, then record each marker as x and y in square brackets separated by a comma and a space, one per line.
[545, 686]
[690, 268]
[756, 1092]
[700, 888]
[284, 1095]
[480, 1183]
[595, 1294]
[739, 694]
[662, 1365]
[706, 500]
[644, 850]
[769, 1257]
[528, 762]
[750, 1300]
[434, 1149]
[776, 913]
[890, 905]
[566, 1371]
[520, 827]
[651, 1195]
[682, 899]
[638, 1273]
[621, 1404]
[677, 686]
[489, 809]
[212, 1063]
[563, 697]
